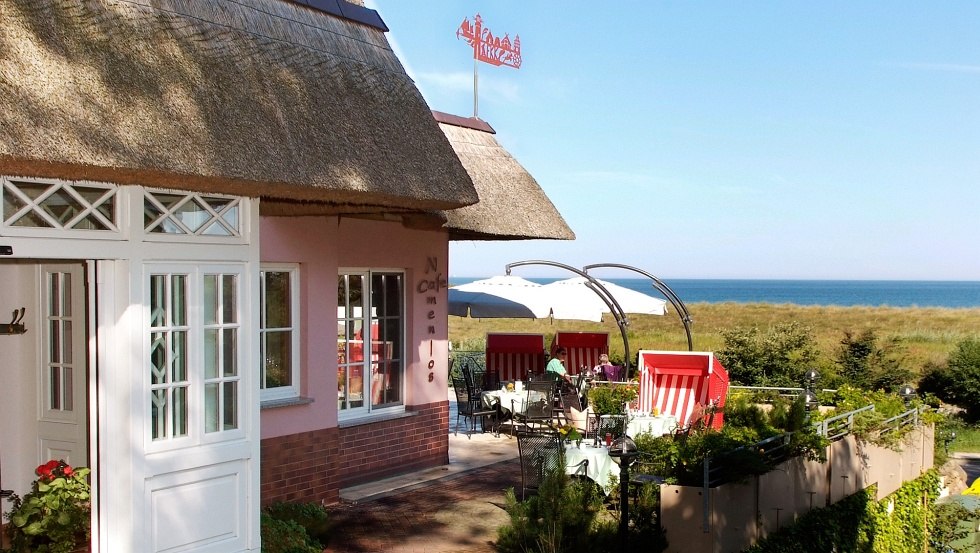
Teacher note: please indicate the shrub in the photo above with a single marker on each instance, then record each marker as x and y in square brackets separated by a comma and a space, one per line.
[609, 400]
[562, 517]
[959, 381]
[864, 364]
[777, 358]
[294, 528]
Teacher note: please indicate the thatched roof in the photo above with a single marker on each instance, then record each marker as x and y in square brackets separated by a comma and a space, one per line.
[512, 205]
[262, 98]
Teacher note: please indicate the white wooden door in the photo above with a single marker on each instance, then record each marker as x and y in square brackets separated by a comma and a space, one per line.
[62, 421]
[197, 462]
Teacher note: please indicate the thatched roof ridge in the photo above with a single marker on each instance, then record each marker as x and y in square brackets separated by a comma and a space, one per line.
[262, 98]
[512, 205]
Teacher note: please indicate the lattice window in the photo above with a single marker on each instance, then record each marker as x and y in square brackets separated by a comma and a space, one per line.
[59, 205]
[191, 214]
[169, 378]
[221, 375]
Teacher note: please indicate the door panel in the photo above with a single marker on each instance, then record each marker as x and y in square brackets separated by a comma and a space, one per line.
[62, 421]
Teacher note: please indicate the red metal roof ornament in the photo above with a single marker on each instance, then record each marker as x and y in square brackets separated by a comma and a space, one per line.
[487, 47]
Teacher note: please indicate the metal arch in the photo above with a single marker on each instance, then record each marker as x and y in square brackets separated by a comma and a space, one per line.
[663, 289]
[600, 291]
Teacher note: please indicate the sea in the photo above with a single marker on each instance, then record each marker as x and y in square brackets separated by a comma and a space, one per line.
[891, 293]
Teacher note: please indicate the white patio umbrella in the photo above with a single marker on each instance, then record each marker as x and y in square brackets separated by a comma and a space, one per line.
[500, 297]
[575, 300]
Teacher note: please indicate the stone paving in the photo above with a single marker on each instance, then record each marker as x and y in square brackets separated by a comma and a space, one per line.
[456, 509]
[458, 514]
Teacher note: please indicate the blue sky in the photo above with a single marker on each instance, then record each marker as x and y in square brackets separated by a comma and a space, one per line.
[818, 140]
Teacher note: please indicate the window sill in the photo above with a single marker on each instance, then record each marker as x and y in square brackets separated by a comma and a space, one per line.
[285, 402]
[370, 419]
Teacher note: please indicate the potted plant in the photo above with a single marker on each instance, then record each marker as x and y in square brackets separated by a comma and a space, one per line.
[54, 517]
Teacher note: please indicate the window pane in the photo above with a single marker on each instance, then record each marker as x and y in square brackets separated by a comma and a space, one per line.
[180, 411]
[211, 353]
[158, 358]
[278, 359]
[229, 358]
[158, 303]
[66, 342]
[211, 407]
[158, 413]
[54, 390]
[277, 300]
[229, 291]
[179, 299]
[180, 356]
[341, 388]
[67, 387]
[210, 299]
[230, 405]
[54, 330]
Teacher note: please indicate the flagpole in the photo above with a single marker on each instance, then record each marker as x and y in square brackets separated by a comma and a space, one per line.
[476, 87]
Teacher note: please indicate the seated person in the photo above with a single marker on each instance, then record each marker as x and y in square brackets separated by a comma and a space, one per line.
[606, 370]
[556, 367]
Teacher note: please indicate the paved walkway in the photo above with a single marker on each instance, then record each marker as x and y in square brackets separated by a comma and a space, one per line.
[456, 508]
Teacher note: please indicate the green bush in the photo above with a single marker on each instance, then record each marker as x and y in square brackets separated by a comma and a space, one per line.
[778, 357]
[959, 381]
[294, 528]
[864, 364]
[609, 400]
[859, 523]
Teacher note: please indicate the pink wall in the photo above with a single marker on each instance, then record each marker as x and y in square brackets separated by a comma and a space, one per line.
[322, 245]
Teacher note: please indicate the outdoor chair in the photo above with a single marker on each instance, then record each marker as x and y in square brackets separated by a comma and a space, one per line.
[541, 452]
[472, 409]
[538, 405]
[597, 426]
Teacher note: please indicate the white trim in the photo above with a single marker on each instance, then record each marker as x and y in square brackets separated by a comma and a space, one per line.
[293, 390]
[117, 226]
[350, 416]
[196, 434]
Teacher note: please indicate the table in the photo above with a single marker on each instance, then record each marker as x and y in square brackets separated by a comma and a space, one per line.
[658, 426]
[601, 466]
[507, 401]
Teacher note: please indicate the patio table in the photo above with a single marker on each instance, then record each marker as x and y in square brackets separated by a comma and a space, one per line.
[601, 466]
[658, 425]
[507, 401]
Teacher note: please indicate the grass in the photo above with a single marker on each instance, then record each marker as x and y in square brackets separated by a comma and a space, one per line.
[967, 438]
[925, 335]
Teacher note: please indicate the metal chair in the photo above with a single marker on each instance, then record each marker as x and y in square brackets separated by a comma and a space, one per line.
[541, 452]
[538, 406]
[471, 409]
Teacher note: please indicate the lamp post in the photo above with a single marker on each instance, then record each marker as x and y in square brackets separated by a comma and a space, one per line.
[907, 392]
[809, 395]
[623, 452]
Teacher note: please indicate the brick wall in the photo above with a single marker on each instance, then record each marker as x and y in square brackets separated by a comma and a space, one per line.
[374, 451]
[314, 466]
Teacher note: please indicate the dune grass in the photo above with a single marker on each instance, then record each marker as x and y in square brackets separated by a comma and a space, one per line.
[925, 335]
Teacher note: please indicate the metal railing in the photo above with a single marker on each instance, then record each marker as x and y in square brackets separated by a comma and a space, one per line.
[775, 449]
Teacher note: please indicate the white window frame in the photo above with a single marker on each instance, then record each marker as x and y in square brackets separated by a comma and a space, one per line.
[119, 199]
[368, 410]
[293, 390]
[196, 400]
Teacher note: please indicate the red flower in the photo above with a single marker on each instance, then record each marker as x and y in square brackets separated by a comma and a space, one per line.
[46, 471]
[67, 471]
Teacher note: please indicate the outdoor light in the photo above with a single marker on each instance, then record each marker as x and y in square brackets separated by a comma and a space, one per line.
[948, 439]
[811, 376]
[809, 396]
[810, 399]
[907, 393]
[623, 452]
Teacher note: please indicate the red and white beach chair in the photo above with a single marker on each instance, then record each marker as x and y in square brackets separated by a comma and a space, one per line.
[514, 356]
[584, 348]
[685, 384]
